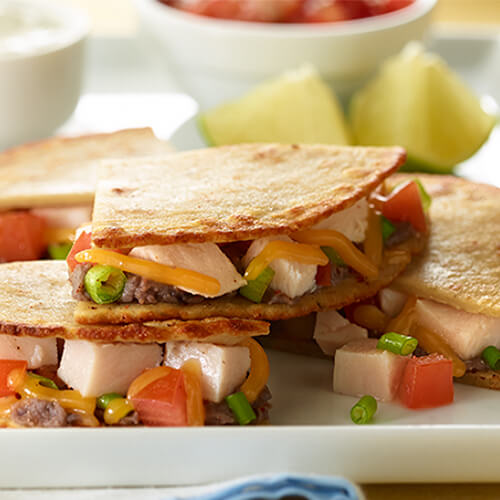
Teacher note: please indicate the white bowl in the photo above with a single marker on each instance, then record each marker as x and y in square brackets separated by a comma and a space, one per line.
[220, 59]
[41, 84]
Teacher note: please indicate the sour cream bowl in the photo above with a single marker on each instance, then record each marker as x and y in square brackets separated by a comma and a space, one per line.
[218, 59]
[41, 67]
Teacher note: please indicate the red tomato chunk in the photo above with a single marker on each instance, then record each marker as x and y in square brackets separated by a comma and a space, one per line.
[21, 236]
[163, 401]
[6, 366]
[83, 242]
[427, 382]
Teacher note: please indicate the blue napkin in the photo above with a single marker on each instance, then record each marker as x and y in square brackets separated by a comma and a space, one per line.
[274, 487]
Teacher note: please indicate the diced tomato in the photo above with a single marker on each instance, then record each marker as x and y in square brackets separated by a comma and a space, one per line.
[405, 205]
[378, 7]
[163, 401]
[427, 382]
[324, 275]
[82, 242]
[21, 236]
[6, 366]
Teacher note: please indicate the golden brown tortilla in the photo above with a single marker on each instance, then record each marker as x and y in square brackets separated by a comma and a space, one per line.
[461, 264]
[35, 300]
[489, 379]
[232, 193]
[346, 292]
[63, 171]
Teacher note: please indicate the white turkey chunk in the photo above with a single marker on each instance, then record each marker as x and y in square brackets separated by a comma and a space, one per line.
[224, 368]
[391, 301]
[351, 222]
[332, 331]
[95, 369]
[205, 258]
[466, 333]
[65, 217]
[360, 368]
[291, 278]
[37, 352]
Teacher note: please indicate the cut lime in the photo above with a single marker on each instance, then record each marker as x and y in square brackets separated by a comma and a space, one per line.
[416, 101]
[297, 107]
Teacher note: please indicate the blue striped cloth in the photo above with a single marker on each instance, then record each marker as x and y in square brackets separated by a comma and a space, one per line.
[274, 487]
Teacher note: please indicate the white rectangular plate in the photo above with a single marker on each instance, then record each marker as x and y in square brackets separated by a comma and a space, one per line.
[311, 429]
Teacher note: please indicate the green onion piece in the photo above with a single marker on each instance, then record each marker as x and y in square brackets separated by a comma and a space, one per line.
[255, 289]
[241, 408]
[333, 256]
[46, 382]
[492, 357]
[397, 343]
[59, 251]
[104, 284]
[362, 412]
[387, 228]
[104, 399]
[424, 196]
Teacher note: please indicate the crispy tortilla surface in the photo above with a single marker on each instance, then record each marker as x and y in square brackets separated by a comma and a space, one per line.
[35, 300]
[344, 293]
[232, 193]
[461, 264]
[63, 171]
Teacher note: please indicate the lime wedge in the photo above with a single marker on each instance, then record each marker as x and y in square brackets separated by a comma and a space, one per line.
[416, 101]
[295, 107]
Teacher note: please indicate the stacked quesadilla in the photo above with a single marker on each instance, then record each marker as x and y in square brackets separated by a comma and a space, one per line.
[260, 231]
[47, 188]
[55, 372]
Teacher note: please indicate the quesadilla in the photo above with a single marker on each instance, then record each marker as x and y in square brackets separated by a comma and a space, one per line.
[60, 369]
[449, 296]
[261, 231]
[47, 188]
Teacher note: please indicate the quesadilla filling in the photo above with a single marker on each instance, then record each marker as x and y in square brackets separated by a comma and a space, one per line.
[40, 232]
[464, 338]
[274, 269]
[92, 384]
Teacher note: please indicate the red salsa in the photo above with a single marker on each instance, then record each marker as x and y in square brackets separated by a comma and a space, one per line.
[289, 11]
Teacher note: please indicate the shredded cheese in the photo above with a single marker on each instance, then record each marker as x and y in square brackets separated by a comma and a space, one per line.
[374, 243]
[191, 371]
[201, 283]
[259, 370]
[305, 254]
[345, 248]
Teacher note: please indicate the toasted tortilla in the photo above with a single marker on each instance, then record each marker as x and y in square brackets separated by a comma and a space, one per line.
[63, 171]
[232, 193]
[344, 293]
[461, 264]
[488, 379]
[35, 301]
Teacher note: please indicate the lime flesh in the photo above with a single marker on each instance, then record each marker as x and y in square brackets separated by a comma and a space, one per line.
[297, 107]
[416, 101]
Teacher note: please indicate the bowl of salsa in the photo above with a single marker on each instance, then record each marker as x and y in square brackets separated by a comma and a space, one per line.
[219, 49]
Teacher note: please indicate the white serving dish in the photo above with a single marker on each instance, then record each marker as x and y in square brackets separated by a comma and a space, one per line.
[39, 88]
[230, 57]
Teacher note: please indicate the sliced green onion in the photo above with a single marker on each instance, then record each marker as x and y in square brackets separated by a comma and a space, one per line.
[388, 228]
[104, 284]
[424, 196]
[362, 412]
[46, 382]
[241, 408]
[59, 251]
[397, 343]
[255, 289]
[104, 399]
[333, 256]
[492, 357]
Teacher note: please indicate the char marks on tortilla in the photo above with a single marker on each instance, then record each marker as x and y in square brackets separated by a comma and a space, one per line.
[344, 293]
[35, 300]
[63, 171]
[461, 264]
[232, 193]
